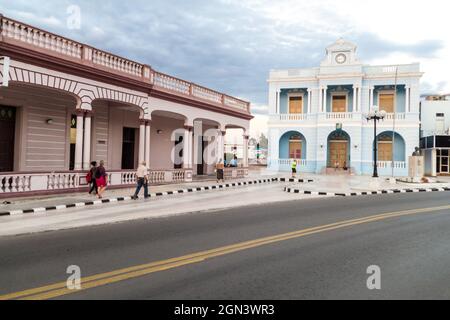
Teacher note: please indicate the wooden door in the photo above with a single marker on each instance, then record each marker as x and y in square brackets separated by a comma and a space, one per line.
[385, 151]
[295, 105]
[386, 102]
[339, 104]
[7, 133]
[295, 150]
[338, 153]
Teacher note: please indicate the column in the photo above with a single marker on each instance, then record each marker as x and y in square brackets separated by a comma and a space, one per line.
[324, 108]
[407, 99]
[187, 147]
[320, 99]
[79, 141]
[359, 99]
[371, 97]
[220, 144]
[354, 98]
[245, 151]
[147, 142]
[142, 141]
[278, 109]
[309, 101]
[87, 141]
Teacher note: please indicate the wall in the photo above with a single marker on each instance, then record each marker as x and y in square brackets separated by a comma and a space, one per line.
[161, 145]
[428, 115]
[40, 146]
[118, 119]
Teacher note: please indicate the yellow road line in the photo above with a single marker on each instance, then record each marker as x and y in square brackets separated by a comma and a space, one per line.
[60, 289]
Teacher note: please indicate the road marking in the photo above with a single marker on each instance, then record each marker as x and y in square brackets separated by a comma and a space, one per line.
[60, 289]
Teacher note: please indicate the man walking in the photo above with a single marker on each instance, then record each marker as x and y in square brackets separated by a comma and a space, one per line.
[294, 168]
[142, 181]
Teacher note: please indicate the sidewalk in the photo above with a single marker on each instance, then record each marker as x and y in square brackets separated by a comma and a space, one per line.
[26, 203]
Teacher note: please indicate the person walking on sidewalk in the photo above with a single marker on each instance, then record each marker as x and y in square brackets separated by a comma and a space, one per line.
[294, 168]
[220, 166]
[90, 178]
[101, 179]
[142, 181]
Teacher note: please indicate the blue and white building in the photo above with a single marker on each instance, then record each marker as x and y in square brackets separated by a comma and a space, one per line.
[317, 114]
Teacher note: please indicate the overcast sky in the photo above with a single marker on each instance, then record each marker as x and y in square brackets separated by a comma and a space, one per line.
[230, 45]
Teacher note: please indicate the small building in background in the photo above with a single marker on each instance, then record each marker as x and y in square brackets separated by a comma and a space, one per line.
[435, 134]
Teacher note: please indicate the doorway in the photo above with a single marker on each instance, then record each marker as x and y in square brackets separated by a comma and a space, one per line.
[338, 154]
[7, 136]
[339, 103]
[128, 143]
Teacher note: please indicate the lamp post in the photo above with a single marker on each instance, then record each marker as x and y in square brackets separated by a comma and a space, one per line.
[376, 115]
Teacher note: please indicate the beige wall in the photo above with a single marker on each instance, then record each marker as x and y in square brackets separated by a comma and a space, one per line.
[162, 144]
[40, 146]
[118, 119]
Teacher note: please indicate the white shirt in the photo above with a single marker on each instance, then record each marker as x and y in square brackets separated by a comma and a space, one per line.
[142, 171]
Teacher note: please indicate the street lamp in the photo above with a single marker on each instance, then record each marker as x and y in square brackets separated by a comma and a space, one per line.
[376, 115]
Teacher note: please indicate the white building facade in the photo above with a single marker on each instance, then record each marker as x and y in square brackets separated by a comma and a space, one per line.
[435, 134]
[317, 115]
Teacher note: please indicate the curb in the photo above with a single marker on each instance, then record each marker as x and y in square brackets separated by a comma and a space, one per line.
[368, 193]
[152, 195]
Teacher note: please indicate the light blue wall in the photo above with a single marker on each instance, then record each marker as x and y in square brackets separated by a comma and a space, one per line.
[349, 90]
[401, 97]
[284, 145]
[284, 94]
[399, 146]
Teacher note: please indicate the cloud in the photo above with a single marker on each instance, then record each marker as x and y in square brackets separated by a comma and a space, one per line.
[226, 45]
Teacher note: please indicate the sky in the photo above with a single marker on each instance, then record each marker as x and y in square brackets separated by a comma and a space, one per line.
[231, 45]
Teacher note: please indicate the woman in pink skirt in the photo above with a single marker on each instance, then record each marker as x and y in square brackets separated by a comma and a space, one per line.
[101, 178]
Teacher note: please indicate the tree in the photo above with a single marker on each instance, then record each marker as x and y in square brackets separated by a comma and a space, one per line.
[263, 141]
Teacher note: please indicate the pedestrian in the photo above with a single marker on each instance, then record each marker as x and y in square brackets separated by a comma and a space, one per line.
[234, 162]
[336, 165]
[294, 168]
[90, 178]
[142, 181]
[219, 170]
[101, 179]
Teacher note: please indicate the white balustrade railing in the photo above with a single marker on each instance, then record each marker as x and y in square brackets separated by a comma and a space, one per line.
[396, 116]
[20, 34]
[116, 63]
[339, 115]
[236, 103]
[25, 182]
[289, 117]
[235, 173]
[33, 36]
[388, 164]
[288, 162]
[206, 94]
[171, 83]
[59, 181]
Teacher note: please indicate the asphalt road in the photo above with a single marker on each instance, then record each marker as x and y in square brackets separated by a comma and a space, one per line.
[412, 251]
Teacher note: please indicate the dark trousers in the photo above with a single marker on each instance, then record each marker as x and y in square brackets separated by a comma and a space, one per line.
[141, 183]
[93, 187]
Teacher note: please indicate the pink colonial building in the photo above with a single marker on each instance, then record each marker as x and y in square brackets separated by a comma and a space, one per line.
[64, 104]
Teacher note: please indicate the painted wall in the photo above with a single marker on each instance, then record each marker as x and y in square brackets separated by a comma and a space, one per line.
[428, 116]
[284, 145]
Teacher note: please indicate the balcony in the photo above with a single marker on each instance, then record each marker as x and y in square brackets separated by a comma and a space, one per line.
[290, 117]
[342, 116]
[20, 35]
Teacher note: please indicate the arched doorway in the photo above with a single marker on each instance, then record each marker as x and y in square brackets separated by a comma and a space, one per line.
[391, 147]
[292, 146]
[338, 149]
